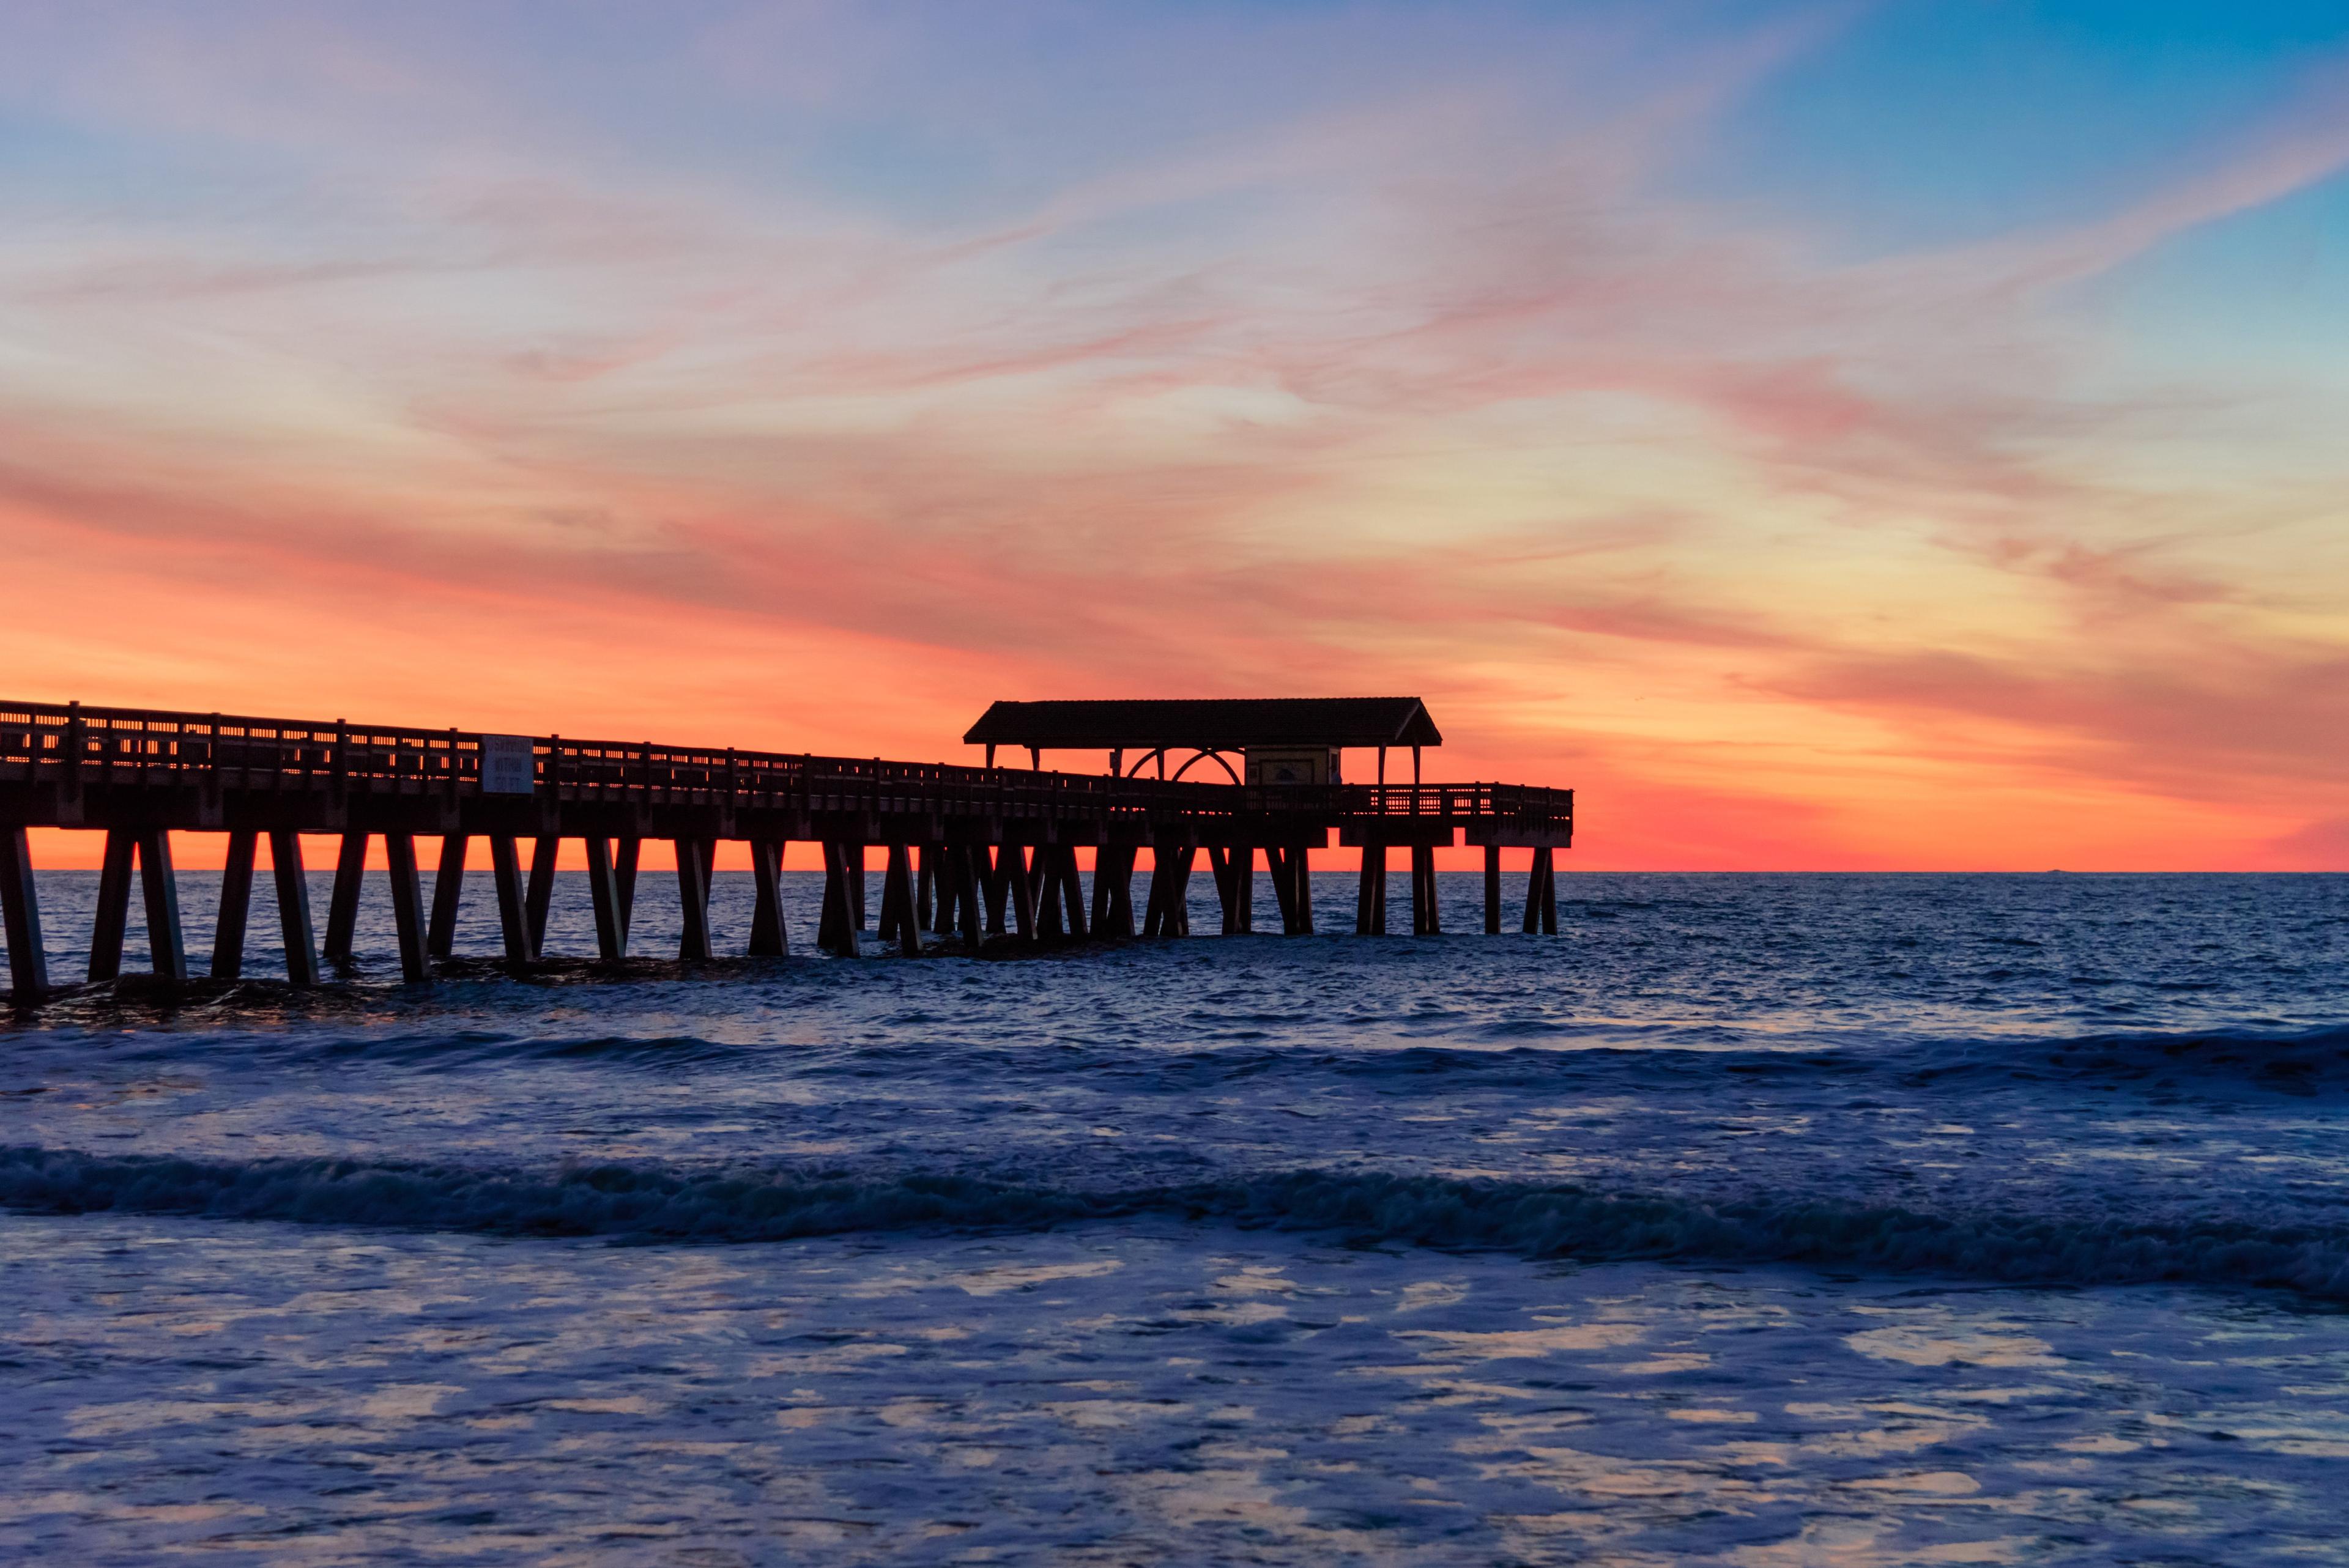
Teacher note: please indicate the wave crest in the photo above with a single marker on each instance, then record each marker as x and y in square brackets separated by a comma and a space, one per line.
[652, 1204]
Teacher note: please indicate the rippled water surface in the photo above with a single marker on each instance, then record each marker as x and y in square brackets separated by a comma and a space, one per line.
[1752, 1220]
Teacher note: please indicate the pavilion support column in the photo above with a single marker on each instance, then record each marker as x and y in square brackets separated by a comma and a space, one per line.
[1493, 890]
[625, 856]
[513, 902]
[769, 936]
[1548, 858]
[20, 904]
[540, 893]
[235, 906]
[1371, 899]
[407, 905]
[343, 904]
[448, 892]
[604, 894]
[693, 944]
[293, 909]
[162, 887]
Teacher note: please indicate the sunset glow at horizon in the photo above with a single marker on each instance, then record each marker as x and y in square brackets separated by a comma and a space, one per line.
[1834, 436]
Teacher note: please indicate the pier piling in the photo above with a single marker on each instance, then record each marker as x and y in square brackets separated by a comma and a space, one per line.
[235, 906]
[20, 903]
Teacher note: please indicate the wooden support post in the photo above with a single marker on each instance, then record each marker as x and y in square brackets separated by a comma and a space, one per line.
[898, 901]
[1039, 870]
[1549, 889]
[343, 904]
[113, 905]
[624, 855]
[693, 944]
[1114, 912]
[925, 889]
[1178, 909]
[603, 894]
[294, 908]
[448, 891]
[1371, 898]
[235, 902]
[892, 914]
[20, 903]
[1301, 884]
[1153, 903]
[943, 869]
[1011, 863]
[514, 903]
[1044, 887]
[162, 887]
[1073, 892]
[1426, 918]
[541, 887]
[856, 884]
[407, 905]
[769, 936]
[996, 883]
[835, 932]
[1491, 890]
[956, 899]
[974, 915]
[1284, 893]
[1243, 864]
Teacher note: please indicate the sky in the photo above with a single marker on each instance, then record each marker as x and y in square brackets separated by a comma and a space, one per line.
[1826, 436]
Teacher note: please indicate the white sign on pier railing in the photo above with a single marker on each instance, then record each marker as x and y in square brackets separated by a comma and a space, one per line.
[508, 766]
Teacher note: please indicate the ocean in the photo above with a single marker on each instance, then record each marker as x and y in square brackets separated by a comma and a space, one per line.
[1753, 1219]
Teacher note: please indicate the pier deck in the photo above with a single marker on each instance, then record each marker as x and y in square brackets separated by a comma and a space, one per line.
[962, 844]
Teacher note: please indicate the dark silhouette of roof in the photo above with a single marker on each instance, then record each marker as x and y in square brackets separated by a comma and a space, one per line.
[1208, 724]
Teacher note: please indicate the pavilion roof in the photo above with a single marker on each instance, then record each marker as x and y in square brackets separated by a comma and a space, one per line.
[1208, 724]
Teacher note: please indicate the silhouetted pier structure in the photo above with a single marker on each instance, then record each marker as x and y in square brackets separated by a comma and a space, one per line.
[969, 854]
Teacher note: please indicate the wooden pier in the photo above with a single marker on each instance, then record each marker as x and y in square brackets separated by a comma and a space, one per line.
[967, 853]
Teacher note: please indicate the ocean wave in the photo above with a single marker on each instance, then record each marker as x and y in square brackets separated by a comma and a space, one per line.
[654, 1203]
[1525, 1052]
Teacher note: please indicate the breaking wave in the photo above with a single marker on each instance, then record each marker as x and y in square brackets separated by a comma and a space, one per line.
[653, 1203]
